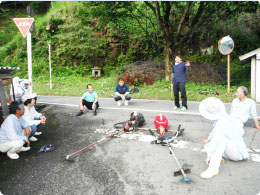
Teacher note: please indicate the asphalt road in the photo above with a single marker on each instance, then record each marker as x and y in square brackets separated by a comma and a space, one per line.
[129, 165]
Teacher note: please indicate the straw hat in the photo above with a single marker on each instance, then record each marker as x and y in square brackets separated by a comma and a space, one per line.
[212, 108]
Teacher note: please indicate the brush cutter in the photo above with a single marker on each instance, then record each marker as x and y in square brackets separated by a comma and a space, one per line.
[136, 120]
[209, 92]
[134, 90]
[166, 139]
[112, 134]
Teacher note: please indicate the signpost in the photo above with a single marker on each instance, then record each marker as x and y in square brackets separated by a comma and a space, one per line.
[49, 46]
[226, 46]
[24, 25]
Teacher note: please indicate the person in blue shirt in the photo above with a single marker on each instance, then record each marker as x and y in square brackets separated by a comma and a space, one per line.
[179, 81]
[225, 139]
[14, 132]
[90, 100]
[122, 92]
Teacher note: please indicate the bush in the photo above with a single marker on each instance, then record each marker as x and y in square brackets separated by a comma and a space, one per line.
[138, 79]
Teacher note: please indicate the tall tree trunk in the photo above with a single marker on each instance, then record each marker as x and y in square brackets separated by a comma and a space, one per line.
[168, 60]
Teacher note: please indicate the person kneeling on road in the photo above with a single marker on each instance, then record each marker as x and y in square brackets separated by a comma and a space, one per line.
[90, 100]
[122, 92]
[31, 116]
[12, 135]
[225, 139]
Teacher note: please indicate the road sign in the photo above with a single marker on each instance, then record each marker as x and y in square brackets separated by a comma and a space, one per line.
[24, 24]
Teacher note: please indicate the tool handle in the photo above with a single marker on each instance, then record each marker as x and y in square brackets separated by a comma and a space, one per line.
[73, 154]
[179, 165]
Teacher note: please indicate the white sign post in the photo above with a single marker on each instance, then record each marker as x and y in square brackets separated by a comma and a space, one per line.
[49, 46]
[24, 25]
[29, 56]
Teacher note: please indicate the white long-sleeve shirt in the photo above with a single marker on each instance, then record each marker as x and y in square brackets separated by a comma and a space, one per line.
[11, 129]
[226, 128]
[30, 115]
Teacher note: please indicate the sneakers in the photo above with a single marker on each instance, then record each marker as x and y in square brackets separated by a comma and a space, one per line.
[175, 108]
[24, 149]
[126, 103]
[38, 133]
[119, 103]
[95, 112]
[33, 139]
[79, 113]
[209, 173]
[12, 155]
[183, 108]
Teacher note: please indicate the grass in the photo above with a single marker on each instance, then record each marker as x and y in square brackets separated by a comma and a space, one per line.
[76, 86]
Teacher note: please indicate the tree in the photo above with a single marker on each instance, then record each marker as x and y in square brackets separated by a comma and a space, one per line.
[178, 21]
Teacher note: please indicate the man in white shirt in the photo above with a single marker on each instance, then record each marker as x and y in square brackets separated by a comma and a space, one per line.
[31, 116]
[243, 108]
[14, 132]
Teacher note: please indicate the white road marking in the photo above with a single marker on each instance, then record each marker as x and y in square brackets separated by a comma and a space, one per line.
[129, 109]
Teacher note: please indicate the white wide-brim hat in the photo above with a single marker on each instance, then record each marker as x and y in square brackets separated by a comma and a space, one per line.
[212, 108]
[28, 96]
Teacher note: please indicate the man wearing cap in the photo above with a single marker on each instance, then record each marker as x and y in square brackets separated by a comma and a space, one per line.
[18, 92]
[31, 116]
[14, 132]
[243, 108]
[225, 139]
[25, 86]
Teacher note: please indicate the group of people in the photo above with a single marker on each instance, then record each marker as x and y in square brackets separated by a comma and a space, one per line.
[226, 138]
[90, 97]
[20, 126]
[224, 141]
[20, 87]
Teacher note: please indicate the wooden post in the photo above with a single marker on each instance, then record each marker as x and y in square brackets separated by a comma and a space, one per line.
[253, 77]
[3, 99]
[228, 73]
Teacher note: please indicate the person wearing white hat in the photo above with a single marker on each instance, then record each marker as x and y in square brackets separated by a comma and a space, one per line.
[25, 86]
[225, 139]
[18, 92]
[31, 116]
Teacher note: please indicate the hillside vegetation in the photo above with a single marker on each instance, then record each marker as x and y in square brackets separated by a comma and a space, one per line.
[113, 35]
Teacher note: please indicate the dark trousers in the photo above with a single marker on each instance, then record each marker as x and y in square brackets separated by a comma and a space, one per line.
[180, 87]
[89, 104]
[127, 97]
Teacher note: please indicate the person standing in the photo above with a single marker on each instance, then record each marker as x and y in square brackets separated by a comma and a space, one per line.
[8, 98]
[243, 108]
[90, 100]
[122, 92]
[179, 81]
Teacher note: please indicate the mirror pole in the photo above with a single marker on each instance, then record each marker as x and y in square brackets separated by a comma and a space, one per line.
[228, 73]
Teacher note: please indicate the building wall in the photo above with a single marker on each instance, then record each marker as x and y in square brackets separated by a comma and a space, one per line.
[257, 78]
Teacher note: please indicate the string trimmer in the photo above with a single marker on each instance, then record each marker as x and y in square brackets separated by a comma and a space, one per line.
[165, 138]
[209, 92]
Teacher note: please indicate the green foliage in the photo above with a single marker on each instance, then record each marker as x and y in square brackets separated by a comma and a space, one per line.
[114, 34]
